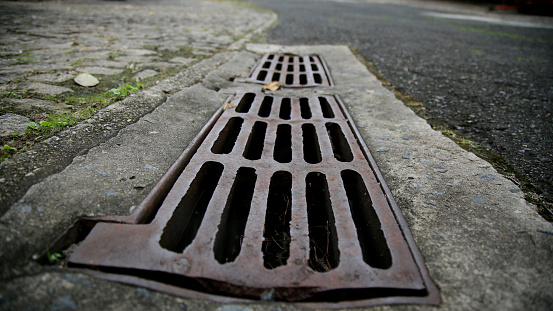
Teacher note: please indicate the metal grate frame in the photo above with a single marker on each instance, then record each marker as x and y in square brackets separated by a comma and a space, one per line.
[281, 201]
[292, 70]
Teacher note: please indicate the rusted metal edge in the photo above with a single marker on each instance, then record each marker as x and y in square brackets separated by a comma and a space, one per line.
[433, 292]
[157, 286]
[192, 294]
[327, 72]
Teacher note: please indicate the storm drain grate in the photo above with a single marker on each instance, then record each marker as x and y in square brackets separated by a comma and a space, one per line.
[280, 201]
[291, 70]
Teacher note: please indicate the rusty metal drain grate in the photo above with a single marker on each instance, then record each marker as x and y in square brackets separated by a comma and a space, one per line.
[291, 70]
[280, 201]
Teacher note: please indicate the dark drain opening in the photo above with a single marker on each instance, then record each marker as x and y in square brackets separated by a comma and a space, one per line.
[276, 245]
[285, 109]
[283, 144]
[262, 75]
[371, 238]
[311, 148]
[304, 108]
[246, 103]
[183, 226]
[254, 147]
[289, 79]
[227, 138]
[317, 78]
[340, 145]
[235, 215]
[323, 240]
[266, 106]
[325, 108]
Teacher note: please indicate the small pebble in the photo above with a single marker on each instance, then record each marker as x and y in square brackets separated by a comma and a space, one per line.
[26, 209]
[150, 167]
[487, 177]
[478, 200]
[63, 303]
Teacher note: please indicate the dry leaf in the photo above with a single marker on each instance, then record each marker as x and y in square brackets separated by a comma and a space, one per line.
[272, 86]
[86, 79]
[228, 106]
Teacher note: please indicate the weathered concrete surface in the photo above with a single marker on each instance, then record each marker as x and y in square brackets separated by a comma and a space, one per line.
[485, 247]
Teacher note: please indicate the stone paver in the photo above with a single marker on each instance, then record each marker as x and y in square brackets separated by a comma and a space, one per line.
[145, 74]
[46, 89]
[100, 70]
[12, 124]
[25, 104]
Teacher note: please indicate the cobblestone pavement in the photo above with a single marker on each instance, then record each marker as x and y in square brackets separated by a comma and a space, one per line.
[44, 45]
[126, 45]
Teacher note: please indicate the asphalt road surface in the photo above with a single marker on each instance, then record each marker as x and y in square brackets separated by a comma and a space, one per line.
[491, 82]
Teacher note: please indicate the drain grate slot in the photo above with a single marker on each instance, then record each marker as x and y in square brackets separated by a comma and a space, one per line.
[369, 231]
[283, 144]
[285, 109]
[325, 108]
[292, 206]
[311, 149]
[254, 147]
[291, 70]
[340, 145]
[245, 104]
[276, 245]
[183, 226]
[227, 138]
[228, 241]
[323, 240]
[304, 108]
[266, 106]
